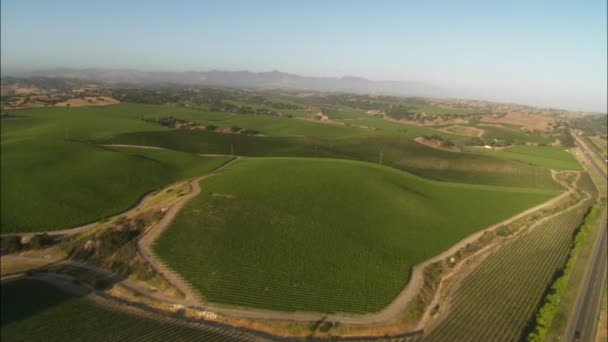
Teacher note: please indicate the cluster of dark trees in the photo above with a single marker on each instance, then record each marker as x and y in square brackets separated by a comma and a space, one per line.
[592, 124]
[402, 112]
[237, 129]
[565, 138]
[12, 243]
[215, 99]
[172, 122]
[242, 110]
[261, 100]
[442, 141]
[561, 131]
[477, 141]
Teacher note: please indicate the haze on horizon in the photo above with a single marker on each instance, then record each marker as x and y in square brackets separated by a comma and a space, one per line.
[545, 53]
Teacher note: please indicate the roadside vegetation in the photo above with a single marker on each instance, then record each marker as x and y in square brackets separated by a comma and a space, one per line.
[335, 199]
[488, 305]
[547, 311]
[556, 158]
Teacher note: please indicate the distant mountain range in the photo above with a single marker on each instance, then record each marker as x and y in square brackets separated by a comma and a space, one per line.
[243, 79]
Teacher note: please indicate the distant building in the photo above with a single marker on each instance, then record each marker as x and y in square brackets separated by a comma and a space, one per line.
[488, 147]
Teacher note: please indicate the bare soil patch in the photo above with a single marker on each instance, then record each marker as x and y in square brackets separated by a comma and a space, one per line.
[528, 121]
[464, 130]
[436, 121]
[88, 101]
[434, 143]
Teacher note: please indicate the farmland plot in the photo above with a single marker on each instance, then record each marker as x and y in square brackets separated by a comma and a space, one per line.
[321, 234]
[35, 311]
[396, 151]
[499, 298]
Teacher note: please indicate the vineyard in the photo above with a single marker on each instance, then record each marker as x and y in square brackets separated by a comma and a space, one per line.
[257, 244]
[498, 300]
[556, 158]
[397, 151]
[64, 184]
[53, 315]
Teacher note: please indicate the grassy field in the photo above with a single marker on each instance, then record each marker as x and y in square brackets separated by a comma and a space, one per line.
[499, 298]
[511, 134]
[51, 180]
[556, 158]
[341, 113]
[398, 152]
[429, 108]
[323, 235]
[600, 144]
[44, 160]
[35, 311]
[53, 184]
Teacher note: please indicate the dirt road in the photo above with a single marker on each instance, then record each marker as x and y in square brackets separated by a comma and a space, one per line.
[391, 311]
[109, 276]
[193, 299]
[145, 147]
[62, 233]
[146, 240]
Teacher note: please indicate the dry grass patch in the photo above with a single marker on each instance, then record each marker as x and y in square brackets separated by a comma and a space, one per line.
[528, 121]
[435, 143]
[88, 101]
[464, 130]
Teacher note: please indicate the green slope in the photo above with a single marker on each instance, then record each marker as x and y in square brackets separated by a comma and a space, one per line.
[323, 234]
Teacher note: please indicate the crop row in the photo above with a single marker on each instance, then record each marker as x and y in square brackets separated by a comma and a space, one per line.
[399, 152]
[35, 311]
[499, 298]
[345, 243]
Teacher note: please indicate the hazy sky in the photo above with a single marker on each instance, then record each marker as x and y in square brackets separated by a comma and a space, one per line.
[540, 52]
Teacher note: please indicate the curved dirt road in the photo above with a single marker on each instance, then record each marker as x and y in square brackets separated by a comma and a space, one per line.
[75, 230]
[145, 241]
[78, 229]
[110, 276]
[193, 299]
[391, 311]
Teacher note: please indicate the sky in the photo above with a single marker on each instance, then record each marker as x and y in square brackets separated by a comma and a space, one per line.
[548, 53]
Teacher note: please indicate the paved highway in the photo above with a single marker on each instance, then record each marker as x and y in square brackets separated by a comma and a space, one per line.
[583, 320]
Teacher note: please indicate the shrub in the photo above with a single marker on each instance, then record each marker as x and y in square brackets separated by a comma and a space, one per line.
[11, 244]
[447, 143]
[40, 241]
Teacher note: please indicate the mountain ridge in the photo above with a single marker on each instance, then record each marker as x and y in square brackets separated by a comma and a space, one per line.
[241, 79]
